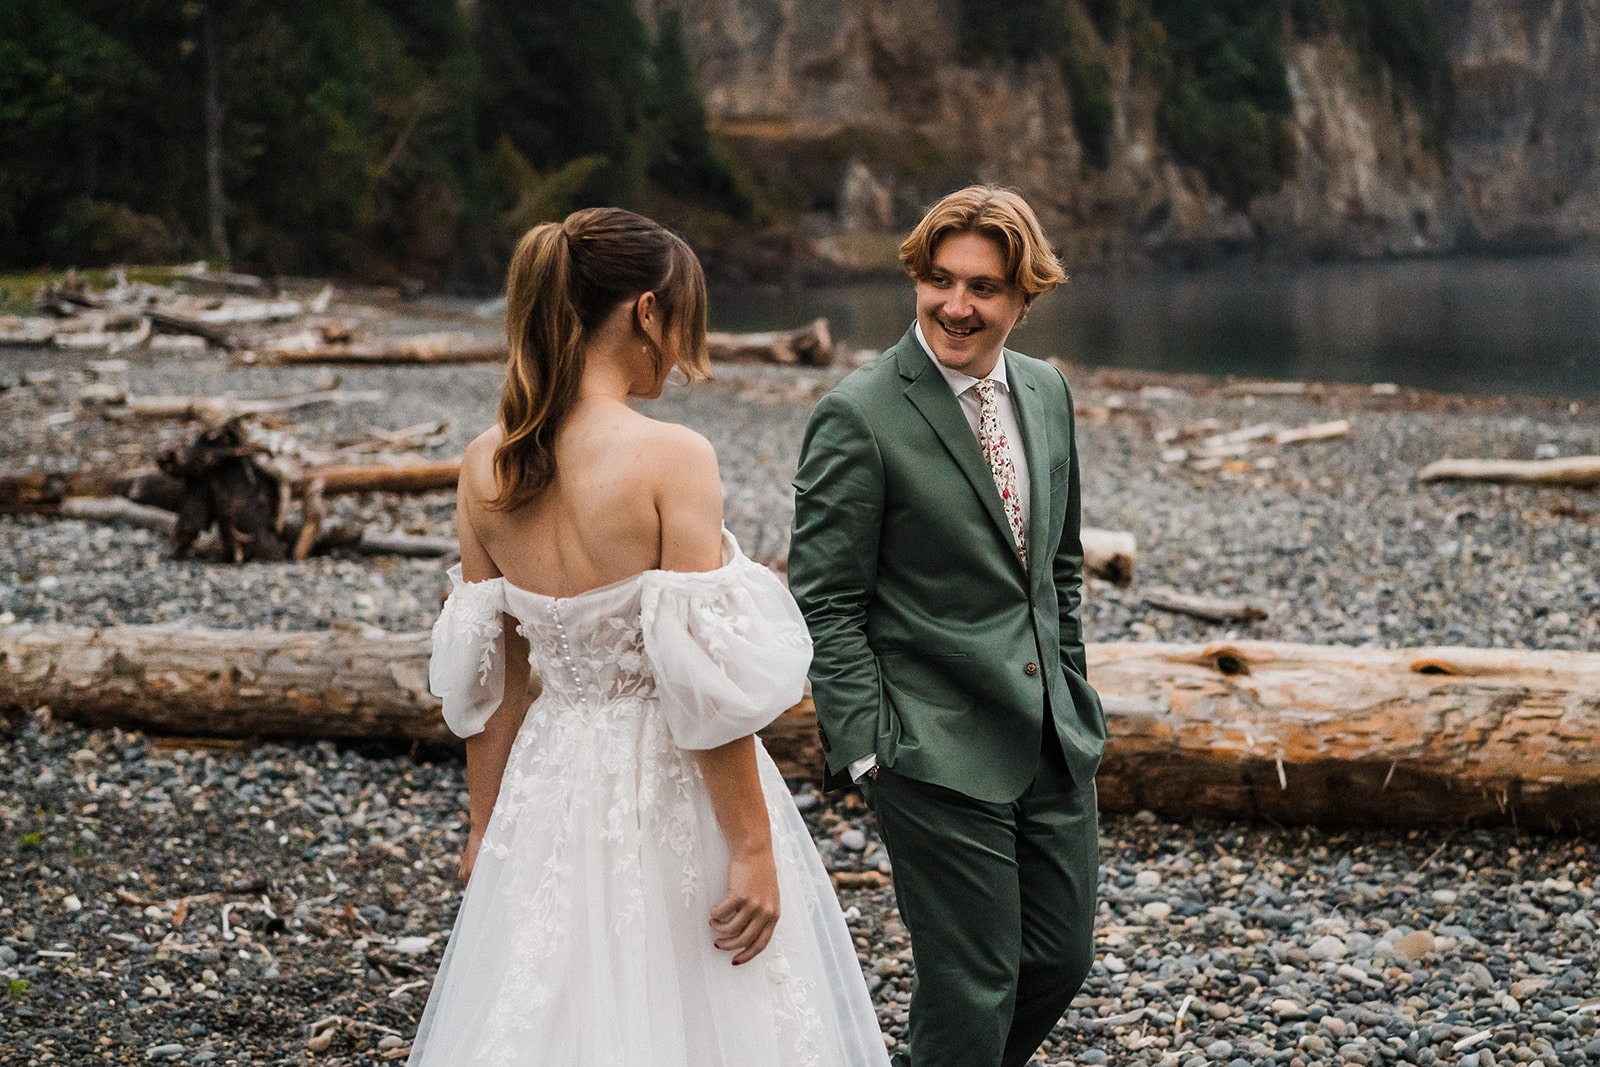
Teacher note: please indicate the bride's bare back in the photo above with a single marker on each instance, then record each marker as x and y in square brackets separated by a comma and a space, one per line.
[631, 494]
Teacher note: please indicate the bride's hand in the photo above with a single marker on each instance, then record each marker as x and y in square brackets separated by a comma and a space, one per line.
[469, 856]
[745, 918]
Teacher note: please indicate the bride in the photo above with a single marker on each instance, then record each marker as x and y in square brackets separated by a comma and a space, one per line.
[640, 888]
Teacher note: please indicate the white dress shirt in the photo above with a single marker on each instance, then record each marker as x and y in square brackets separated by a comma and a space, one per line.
[1006, 411]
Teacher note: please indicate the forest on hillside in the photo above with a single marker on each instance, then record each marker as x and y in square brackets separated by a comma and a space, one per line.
[384, 139]
[410, 141]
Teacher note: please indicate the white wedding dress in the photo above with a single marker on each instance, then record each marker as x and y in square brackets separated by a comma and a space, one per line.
[583, 937]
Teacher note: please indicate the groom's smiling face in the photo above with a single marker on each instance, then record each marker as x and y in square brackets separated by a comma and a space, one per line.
[966, 304]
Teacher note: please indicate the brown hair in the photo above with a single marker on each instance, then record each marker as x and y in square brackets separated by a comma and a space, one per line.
[996, 213]
[564, 280]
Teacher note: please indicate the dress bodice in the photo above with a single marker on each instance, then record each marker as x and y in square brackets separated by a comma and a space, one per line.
[722, 648]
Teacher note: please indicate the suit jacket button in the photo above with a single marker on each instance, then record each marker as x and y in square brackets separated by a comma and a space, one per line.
[1032, 668]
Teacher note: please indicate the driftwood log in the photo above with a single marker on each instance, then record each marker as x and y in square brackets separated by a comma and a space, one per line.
[1574, 472]
[1293, 733]
[1304, 733]
[811, 345]
[1209, 608]
[1109, 554]
[433, 348]
[367, 540]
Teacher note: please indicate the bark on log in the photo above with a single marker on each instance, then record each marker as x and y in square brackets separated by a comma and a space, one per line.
[1311, 734]
[1576, 472]
[811, 345]
[1293, 733]
[1109, 554]
[227, 683]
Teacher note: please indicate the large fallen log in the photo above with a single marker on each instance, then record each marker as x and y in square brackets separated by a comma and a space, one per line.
[1576, 472]
[1292, 733]
[224, 683]
[1311, 734]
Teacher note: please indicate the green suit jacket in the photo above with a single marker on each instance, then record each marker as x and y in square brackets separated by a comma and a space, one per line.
[934, 648]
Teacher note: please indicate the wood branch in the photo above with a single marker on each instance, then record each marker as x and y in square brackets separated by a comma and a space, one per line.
[315, 537]
[237, 311]
[1577, 472]
[43, 491]
[217, 409]
[168, 322]
[119, 510]
[432, 348]
[375, 542]
[1264, 389]
[1210, 608]
[811, 345]
[1317, 431]
[1295, 733]
[32, 332]
[1109, 554]
[249, 284]
[387, 477]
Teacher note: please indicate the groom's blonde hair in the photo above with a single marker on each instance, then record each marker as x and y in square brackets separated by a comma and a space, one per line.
[998, 214]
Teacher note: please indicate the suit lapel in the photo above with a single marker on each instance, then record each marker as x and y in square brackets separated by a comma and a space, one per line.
[930, 394]
[1035, 428]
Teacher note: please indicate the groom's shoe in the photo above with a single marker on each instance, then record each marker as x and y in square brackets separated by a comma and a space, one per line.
[900, 1059]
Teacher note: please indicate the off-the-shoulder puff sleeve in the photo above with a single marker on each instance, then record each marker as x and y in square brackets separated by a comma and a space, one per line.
[729, 650]
[468, 668]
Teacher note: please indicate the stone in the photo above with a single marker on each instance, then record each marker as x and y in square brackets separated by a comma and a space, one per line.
[1326, 947]
[1287, 1010]
[1414, 946]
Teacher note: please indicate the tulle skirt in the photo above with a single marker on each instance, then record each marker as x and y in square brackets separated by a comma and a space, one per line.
[583, 937]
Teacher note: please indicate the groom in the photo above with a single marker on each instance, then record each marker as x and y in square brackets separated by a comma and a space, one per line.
[937, 559]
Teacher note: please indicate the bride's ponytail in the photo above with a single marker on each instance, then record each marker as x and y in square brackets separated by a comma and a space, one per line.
[563, 281]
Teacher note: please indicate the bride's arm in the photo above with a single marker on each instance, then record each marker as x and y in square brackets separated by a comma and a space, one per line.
[488, 750]
[746, 916]
[689, 502]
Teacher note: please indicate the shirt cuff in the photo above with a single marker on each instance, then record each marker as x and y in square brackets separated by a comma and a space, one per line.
[862, 766]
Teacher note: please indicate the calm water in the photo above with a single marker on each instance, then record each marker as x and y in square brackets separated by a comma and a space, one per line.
[1529, 325]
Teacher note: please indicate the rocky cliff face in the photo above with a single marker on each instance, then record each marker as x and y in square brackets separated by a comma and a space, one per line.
[857, 112]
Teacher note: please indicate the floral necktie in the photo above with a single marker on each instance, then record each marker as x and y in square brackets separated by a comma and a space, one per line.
[997, 452]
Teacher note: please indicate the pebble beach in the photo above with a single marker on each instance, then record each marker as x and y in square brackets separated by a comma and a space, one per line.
[177, 900]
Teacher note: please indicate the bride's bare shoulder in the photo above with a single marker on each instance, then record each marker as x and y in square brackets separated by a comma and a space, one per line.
[477, 462]
[669, 447]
